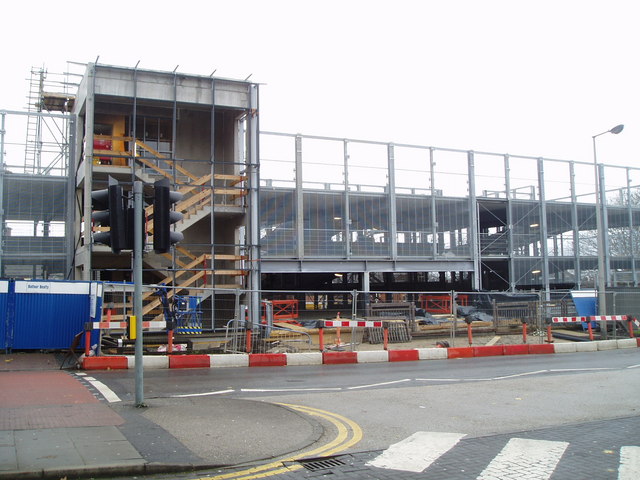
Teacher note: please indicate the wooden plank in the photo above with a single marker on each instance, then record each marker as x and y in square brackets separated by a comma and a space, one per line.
[222, 256]
[228, 272]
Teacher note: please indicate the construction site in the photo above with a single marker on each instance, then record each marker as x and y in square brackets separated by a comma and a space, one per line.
[281, 231]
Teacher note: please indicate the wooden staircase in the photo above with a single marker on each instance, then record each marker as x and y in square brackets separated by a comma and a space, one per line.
[202, 195]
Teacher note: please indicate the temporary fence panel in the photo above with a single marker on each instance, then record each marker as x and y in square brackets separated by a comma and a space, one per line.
[265, 339]
[399, 310]
[513, 314]
[48, 314]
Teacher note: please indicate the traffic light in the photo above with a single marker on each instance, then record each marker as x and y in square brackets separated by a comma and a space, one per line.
[108, 211]
[163, 216]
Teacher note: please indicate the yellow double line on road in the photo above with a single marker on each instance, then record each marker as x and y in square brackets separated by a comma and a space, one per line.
[349, 433]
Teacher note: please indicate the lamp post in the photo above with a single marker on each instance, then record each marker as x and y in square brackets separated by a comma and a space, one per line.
[600, 239]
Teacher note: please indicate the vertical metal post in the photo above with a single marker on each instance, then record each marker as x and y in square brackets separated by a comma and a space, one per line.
[574, 226]
[137, 288]
[88, 167]
[632, 234]
[299, 198]
[510, 255]
[70, 169]
[254, 204]
[604, 217]
[212, 199]
[346, 215]
[602, 298]
[543, 229]
[392, 229]
[354, 312]
[434, 220]
[474, 229]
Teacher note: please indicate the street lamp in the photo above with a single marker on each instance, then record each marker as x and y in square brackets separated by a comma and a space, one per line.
[600, 240]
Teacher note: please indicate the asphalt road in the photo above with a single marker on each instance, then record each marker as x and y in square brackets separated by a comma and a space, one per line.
[478, 398]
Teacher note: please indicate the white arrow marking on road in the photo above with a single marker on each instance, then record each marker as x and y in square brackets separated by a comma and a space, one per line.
[417, 452]
[525, 459]
[629, 463]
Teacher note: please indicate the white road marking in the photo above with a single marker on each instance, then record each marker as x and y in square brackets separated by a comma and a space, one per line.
[379, 384]
[525, 459]
[267, 390]
[204, 394]
[417, 452]
[453, 379]
[579, 369]
[634, 366]
[629, 463]
[520, 374]
[106, 392]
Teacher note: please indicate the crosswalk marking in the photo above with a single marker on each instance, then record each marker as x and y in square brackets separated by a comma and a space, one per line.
[417, 452]
[629, 463]
[525, 459]
[521, 458]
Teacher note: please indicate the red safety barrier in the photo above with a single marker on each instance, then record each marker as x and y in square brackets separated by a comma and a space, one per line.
[440, 303]
[515, 349]
[488, 351]
[284, 310]
[189, 361]
[536, 348]
[335, 358]
[267, 359]
[403, 355]
[105, 363]
[460, 352]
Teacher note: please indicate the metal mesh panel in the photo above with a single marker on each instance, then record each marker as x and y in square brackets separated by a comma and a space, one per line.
[35, 239]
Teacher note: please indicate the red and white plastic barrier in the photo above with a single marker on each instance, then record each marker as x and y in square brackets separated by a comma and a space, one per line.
[108, 325]
[569, 319]
[597, 318]
[592, 318]
[332, 358]
[608, 318]
[353, 323]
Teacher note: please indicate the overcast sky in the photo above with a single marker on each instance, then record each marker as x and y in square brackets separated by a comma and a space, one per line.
[521, 77]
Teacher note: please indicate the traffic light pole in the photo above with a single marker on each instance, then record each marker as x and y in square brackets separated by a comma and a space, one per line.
[137, 288]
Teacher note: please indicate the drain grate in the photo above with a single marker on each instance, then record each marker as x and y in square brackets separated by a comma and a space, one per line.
[316, 464]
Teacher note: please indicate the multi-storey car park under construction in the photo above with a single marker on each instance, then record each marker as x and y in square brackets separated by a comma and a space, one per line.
[267, 211]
